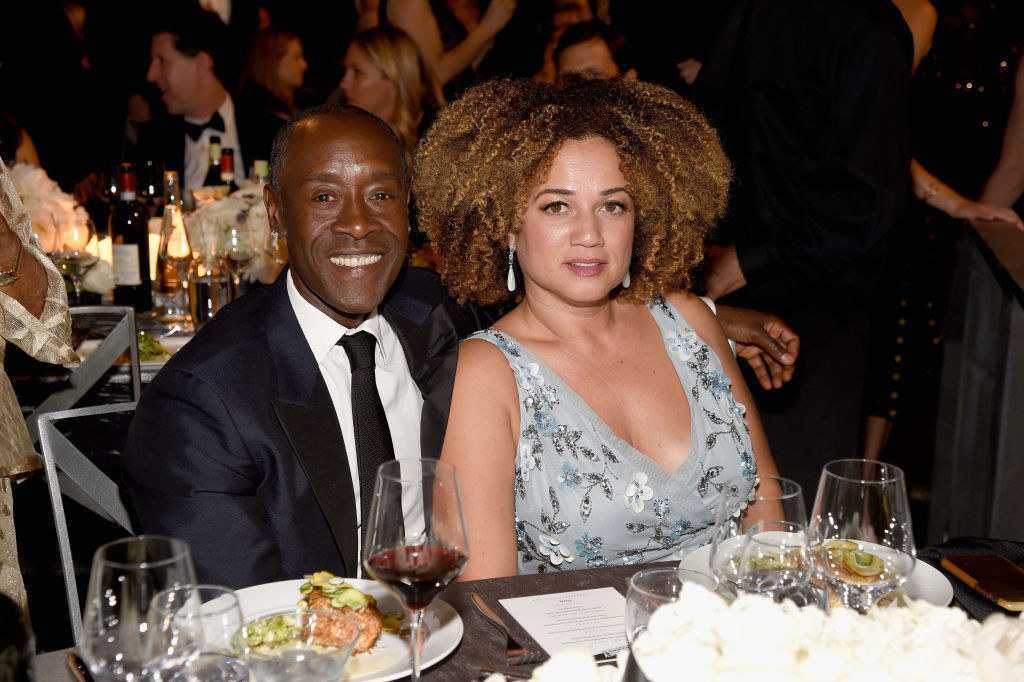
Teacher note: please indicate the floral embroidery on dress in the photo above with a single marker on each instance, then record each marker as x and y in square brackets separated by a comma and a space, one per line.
[637, 491]
[554, 551]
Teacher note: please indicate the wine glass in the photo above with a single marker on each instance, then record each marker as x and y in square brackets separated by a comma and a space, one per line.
[650, 589]
[126, 575]
[275, 246]
[237, 248]
[415, 542]
[71, 257]
[300, 644]
[860, 533]
[775, 558]
[785, 501]
[197, 634]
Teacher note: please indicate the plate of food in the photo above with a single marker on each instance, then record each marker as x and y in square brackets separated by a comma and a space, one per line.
[153, 351]
[925, 582]
[379, 658]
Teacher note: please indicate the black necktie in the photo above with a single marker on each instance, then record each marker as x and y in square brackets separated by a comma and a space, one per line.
[373, 438]
[194, 130]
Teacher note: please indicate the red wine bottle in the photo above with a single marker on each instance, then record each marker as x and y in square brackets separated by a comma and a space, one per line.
[416, 573]
[129, 234]
[227, 169]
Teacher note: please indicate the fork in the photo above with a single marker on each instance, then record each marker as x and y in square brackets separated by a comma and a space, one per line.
[515, 653]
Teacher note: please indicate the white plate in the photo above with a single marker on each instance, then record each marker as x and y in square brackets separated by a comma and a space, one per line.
[171, 343]
[926, 582]
[390, 659]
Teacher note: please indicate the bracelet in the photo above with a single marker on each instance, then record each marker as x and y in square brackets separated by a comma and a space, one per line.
[11, 276]
[931, 190]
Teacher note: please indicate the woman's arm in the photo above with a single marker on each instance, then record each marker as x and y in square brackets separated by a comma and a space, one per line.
[707, 327]
[1006, 184]
[941, 196]
[29, 289]
[480, 443]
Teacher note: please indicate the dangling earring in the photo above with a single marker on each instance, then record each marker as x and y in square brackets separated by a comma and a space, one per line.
[625, 280]
[511, 272]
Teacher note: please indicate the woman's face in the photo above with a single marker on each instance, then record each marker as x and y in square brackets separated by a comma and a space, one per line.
[576, 236]
[292, 66]
[366, 87]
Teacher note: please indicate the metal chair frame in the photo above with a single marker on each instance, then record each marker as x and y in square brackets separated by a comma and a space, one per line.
[71, 473]
[121, 337]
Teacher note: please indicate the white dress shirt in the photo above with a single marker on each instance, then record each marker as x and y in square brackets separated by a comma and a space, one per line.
[401, 397]
[197, 152]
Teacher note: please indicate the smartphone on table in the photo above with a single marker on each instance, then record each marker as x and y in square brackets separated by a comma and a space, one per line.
[994, 577]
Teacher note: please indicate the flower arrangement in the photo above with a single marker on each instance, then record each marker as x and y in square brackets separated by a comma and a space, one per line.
[53, 213]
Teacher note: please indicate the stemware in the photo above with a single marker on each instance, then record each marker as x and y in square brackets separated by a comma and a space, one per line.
[860, 532]
[650, 589]
[126, 575]
[783, 495]
[275, 246]
[197, 634]
[776, 559]
[237, 248]
[71, 257]
[415, 543]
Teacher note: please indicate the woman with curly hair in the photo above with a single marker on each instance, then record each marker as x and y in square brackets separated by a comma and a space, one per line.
[623, 415]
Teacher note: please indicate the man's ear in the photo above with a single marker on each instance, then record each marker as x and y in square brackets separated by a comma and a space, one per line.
[631, 75]
[205, 61]
[272, 200]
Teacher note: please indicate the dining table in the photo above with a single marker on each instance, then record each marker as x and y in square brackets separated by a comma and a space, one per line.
[483, 645]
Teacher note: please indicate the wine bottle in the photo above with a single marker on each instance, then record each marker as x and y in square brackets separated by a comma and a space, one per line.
[261, 169]
[213, 172]
[227, 169]
[130, 248]
[173, 255]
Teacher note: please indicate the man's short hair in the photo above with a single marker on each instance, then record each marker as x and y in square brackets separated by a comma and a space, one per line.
[586, 31]
[279, 148]
[196, 30]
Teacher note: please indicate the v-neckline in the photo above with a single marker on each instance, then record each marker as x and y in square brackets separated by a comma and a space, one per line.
[605, 431]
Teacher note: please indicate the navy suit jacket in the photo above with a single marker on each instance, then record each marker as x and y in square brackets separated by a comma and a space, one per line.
[235, 446]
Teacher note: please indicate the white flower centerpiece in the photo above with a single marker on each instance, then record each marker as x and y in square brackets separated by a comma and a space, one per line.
[53, 212]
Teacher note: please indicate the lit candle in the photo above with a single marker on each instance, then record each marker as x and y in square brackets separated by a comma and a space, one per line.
[154, 245]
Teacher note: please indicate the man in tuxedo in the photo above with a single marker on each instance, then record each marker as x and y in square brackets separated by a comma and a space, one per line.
[186, 64]
[252, 443]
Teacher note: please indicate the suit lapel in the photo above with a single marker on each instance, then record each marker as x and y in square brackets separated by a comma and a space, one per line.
[306, 412]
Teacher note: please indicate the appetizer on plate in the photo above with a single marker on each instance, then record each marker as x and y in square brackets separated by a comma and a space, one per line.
[325, 592]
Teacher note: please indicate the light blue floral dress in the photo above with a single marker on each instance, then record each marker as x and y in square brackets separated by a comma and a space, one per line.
[586, 498]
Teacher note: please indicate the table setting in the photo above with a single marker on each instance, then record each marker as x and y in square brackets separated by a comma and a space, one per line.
[781, 605]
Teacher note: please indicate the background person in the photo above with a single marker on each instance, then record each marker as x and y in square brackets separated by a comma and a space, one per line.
[587, 427]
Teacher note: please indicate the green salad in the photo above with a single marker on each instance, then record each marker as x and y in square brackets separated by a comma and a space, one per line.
[151, 350]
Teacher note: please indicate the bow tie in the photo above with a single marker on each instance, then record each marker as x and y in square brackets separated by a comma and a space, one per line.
[194, 130]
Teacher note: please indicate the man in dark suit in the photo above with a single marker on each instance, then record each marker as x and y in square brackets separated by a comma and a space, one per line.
[245, 444]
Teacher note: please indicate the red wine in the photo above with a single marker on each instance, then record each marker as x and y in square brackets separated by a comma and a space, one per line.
[416, 573]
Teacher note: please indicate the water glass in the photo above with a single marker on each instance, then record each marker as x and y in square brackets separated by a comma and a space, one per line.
[306, 645]
[651, 589]
[126, 575]
[775, 558]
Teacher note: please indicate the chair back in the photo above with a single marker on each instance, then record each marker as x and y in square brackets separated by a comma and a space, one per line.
[121, 338]
[70, 472]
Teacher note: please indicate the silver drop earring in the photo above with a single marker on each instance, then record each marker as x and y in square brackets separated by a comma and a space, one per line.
[511, 272]
[625, 280]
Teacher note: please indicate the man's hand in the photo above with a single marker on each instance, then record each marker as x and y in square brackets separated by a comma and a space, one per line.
[723, 275]
[764, 341]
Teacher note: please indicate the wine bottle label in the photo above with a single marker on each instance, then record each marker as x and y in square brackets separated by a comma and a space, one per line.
[126, 265]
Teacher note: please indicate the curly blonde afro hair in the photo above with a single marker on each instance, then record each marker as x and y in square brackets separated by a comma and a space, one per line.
[475, 167]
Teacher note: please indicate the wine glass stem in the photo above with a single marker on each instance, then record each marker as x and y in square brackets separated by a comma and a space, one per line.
[416, 636]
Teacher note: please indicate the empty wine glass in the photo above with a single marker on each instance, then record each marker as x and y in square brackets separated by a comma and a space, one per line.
[651, 589]
[197, 634]
[783, 496]
[237, 248]
[126, 575]
[275, 246]
[775, 558]
[860, 533]
[415, 542]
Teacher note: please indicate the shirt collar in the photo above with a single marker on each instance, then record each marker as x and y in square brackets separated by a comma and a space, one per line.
[322, 333]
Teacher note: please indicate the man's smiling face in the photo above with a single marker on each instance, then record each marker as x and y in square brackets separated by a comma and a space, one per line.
[343, 206]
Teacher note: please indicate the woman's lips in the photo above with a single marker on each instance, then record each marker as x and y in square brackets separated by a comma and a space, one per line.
[586, 268]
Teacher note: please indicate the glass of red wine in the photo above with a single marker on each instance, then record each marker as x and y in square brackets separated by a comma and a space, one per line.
[415, 540]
